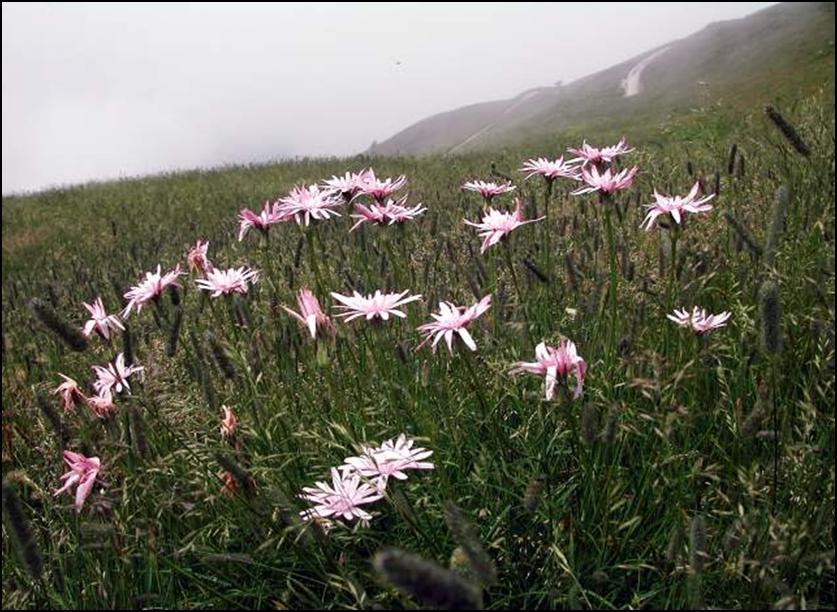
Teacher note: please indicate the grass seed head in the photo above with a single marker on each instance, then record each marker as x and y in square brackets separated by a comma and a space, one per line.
[770, 310]
[47, 315]
[787, 130]
[427, 582]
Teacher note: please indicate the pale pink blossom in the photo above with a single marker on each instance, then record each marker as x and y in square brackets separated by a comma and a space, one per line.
[83, 473]
[228, 424]
[150, 288]
[343, 499]
[699, 320]
[310, 314]
[226, 282]
[606, 182]
[114, 376]
[392, 212]
[392, 458]
[496, 225]
[488, 190]
[306, 203]
[348, 185]
[553, 363]
[551, 169]
[380, 305]
[70, 392]
[197, 258]
[676, 206]
[397, 212]
[262, 221]
[102, 404]
[403, 448]
[100, 320]
[380, 189]
[368, 214]
[452, 320]
[592, 155]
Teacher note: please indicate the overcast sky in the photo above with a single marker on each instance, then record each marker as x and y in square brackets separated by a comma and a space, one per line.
[93, 91]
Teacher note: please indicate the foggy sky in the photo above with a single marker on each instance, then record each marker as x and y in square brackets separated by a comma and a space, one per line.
[103, 91]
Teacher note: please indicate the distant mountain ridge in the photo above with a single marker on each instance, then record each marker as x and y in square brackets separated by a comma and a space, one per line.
[784, 47]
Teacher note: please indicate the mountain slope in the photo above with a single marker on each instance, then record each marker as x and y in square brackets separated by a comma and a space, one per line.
[787, 47]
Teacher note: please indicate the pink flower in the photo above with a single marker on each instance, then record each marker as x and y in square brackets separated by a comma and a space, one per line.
[70, 393]
[380, 189]
[102, 405]
[227, 282]
[592, 155]
[389, 459]
[371, 214]
[488, 190]
[101, 321]
[676, 206]
[150, 289]
[554, 362]
[262, 222]
[453, 319]
[606, 182]
[83, 472]
[551, 170]
[228, 423]
[342, 499]
[115, 375]
[348, 186]
[403, 448]
[699, 321]
[197, 259]
[496, 225]
[308, 203]
[310, 314]
[397, 213]
[378, 305]
[393, 212]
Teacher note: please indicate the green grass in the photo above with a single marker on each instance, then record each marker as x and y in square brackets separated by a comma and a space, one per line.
[611, 526]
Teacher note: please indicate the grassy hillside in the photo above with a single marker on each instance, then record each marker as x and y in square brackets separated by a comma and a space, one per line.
[782, 51]
[692, 471]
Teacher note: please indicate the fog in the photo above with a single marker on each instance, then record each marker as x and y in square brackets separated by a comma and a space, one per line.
[97, 91]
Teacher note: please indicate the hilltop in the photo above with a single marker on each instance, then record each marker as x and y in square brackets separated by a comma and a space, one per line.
[736, 64]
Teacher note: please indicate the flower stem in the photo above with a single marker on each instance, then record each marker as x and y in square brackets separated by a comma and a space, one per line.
[547, 229]
[476, 383]
[406, 260]
[393, 262]
[675, 236]
[310, 235]
[508, 256]
[614, 276]
[510, 264]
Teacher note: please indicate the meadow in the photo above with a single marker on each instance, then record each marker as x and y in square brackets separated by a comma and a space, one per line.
[694, 470]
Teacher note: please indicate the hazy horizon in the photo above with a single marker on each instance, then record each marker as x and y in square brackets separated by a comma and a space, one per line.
[97, 92]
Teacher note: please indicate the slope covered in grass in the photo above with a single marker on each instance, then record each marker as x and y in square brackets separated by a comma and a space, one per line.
[787, 49]
[692, 471]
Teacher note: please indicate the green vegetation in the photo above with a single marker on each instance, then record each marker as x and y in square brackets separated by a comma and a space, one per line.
[784, 52]
[694, 471]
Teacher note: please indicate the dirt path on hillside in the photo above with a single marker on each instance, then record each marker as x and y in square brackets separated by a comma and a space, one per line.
[631, 84]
